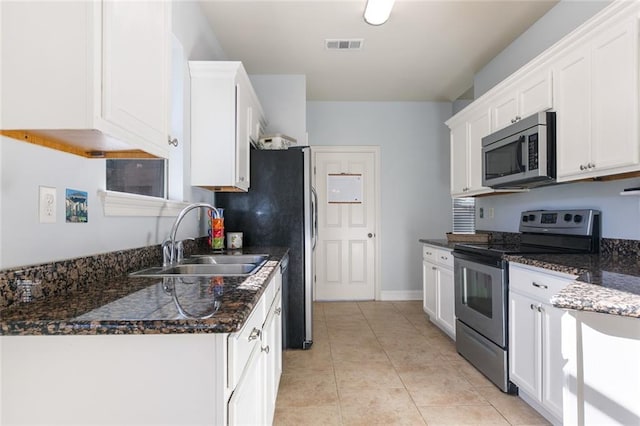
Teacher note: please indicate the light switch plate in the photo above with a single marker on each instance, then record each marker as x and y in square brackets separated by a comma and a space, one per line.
[47, 204]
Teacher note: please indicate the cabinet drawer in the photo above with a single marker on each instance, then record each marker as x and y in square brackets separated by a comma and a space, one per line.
[242, 343]
[445, 258]
[537, 282]
[429, 253]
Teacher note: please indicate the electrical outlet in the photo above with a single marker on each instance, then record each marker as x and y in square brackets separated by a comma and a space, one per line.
[47, 205]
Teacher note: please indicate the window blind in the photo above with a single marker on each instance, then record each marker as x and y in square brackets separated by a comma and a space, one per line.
[464, 215]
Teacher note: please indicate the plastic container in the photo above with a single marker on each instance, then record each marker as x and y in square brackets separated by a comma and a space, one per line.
[277, 141]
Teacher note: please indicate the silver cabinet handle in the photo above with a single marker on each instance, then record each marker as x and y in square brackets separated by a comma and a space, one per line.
[428, 253]
[434, 268]
[173, 141]
[255, 334]
[540, 308]
[532, 307]
[535, 284]
[265, 349]
[582, 167]
[443, 257]
[278, 311]
[591, 165]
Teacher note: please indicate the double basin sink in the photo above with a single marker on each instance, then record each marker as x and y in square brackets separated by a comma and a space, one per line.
[209, 265]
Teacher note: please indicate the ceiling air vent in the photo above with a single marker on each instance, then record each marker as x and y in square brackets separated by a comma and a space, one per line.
[344, 44]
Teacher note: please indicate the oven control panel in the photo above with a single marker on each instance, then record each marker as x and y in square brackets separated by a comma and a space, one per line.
[574, 222]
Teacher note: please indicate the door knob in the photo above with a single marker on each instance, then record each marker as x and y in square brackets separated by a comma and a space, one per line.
[370, 235]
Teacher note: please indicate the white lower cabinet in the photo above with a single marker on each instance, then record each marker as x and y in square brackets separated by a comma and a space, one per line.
[602, 371]
[247, 403]
[535, 339]
[438, 290]
[169, 379]
[253, 400]
[271, 349]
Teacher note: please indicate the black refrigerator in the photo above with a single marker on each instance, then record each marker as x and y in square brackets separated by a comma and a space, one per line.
[280, 210]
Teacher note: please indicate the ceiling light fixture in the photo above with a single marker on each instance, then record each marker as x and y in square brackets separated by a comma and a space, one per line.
[377, 11]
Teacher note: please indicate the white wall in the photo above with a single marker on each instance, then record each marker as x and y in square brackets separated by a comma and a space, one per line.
[620, 214]
[414, 151]
[23, 167]
[284, 101]
[558, 22]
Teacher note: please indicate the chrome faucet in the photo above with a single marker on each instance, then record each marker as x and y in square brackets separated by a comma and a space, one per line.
[172, 250]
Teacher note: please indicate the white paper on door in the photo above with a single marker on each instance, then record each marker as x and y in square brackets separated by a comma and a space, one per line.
[344, 188]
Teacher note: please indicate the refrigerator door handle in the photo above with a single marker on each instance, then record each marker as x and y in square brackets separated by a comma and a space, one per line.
[314, 210]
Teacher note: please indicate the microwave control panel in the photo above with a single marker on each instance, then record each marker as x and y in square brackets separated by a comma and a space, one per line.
[532, 147]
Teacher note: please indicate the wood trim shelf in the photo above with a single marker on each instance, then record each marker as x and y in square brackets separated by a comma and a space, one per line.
[86, 143]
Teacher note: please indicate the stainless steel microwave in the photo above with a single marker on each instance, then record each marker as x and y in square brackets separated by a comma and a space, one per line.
[522, 155]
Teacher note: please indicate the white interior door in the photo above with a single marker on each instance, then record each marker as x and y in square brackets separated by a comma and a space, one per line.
[347, 186]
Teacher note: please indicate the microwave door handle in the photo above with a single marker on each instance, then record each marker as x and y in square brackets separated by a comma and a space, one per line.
[521, 160]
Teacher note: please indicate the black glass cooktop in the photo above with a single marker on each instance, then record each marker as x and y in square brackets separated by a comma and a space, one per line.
[498, 249]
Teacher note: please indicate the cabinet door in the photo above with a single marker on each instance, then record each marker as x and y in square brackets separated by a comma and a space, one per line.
[246, 405]
[479, 127]
[524, 337]
[459, 159]
[446, 301]
[59, 87]
[504, 110]
[572, 99]
[243, 123]
[135, 69]
[430, 295]
[615, 98]
[272, 348]
[552, 360]
[535, 94]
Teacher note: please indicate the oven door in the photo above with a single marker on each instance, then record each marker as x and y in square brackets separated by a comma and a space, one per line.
[480, 292]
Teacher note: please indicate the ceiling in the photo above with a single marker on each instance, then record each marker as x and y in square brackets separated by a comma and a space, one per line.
[428, 50]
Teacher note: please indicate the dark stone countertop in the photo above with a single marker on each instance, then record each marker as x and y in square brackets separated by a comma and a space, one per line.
[128, 305]
[444, 243]
[605, 283]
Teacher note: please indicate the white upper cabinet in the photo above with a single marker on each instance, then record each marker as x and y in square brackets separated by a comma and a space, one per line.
[226, 117]
[89, 76]
[596, 92]
[590, 79]
[531, 94]
[466, 153]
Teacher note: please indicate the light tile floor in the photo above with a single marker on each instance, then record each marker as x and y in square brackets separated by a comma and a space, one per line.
[385, 363]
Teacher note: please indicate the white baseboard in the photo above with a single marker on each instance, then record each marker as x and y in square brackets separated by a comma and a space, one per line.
[401, 295]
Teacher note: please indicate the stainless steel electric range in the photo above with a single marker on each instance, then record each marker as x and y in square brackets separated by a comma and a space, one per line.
[482, 283]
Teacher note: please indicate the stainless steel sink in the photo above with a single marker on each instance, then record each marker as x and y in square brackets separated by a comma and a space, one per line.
[226, 259]
[211, 269]
[209, 265]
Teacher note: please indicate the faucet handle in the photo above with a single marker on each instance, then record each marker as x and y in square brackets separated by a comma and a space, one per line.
[180, 249]
[167, 252]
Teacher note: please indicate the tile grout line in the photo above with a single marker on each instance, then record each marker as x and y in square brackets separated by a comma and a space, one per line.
[391, 362]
